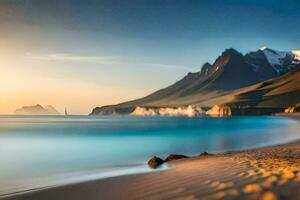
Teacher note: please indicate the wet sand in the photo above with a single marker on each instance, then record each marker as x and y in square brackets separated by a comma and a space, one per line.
[266, 173]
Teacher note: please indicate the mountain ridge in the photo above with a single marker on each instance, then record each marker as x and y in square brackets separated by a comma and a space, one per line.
[231, 71]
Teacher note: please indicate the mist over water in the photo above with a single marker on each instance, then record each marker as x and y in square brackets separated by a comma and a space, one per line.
[43, 151]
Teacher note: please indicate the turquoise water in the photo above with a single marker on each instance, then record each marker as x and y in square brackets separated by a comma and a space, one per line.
[41, 151]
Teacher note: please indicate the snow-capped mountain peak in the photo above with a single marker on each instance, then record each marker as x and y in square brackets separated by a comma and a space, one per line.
[263, 48]
[269, 62]
[296, 54]
[275, 57]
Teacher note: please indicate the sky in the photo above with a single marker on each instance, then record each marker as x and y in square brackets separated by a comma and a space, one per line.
[82, 54]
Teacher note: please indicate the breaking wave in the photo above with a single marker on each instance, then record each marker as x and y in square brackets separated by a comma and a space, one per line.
[188, 111]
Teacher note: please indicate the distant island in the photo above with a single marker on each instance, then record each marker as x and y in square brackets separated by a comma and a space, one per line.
[37, 110]
[266, 81]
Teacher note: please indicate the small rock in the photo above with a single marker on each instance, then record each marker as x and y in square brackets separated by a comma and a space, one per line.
[154, 162]
[204, 154]
[175, 157]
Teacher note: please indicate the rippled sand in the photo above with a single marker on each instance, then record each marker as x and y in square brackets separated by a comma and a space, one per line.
[266, 174]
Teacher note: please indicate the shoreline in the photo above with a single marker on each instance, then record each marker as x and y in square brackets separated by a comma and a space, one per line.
[273, 171]
[295, 115]
[81, 177]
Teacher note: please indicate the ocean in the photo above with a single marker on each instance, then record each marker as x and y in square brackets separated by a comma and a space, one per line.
[38, 152]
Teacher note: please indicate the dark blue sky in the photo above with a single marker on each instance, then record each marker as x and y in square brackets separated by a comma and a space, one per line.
[169, 25]
[137, 45]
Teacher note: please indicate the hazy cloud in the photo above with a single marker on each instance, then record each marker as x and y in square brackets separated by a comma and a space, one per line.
[73, 58]
[99, 60]
[179, 67]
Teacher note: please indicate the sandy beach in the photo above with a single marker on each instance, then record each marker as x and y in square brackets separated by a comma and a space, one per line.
[265, 173]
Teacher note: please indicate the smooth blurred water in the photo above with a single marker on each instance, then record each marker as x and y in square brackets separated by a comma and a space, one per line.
[42, 151]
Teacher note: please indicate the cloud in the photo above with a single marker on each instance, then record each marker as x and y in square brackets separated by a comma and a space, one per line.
[107, 60]
[169, 66]
[73, 58]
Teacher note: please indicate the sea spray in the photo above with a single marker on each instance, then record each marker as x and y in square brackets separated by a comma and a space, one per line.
[188, 111]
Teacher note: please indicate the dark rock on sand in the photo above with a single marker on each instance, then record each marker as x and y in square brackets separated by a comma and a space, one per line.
[175, 157]
[154, 162]
[204, 154]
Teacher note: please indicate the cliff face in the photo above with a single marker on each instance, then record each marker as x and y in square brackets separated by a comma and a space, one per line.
[217, 84]
[219, 111]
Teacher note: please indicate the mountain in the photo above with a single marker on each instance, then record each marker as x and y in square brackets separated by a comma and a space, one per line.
[36, 110]
[230, 72]
[269, 63]
[281, 94]
[52, 110]
[278, 93]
